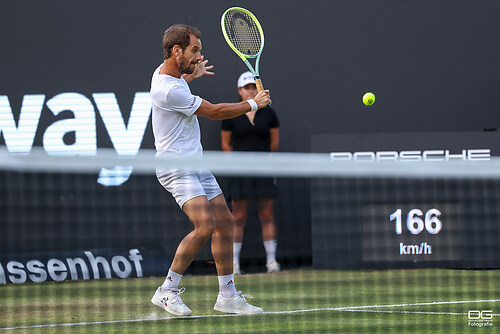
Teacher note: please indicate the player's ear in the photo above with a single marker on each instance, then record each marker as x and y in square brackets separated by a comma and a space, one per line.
[176, 50]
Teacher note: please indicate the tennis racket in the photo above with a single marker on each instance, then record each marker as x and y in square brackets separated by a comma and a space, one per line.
[243, 33]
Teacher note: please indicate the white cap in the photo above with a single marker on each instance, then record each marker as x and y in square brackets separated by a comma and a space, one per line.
[245, 79]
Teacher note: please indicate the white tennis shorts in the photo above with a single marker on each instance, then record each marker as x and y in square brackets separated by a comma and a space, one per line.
[187, 184]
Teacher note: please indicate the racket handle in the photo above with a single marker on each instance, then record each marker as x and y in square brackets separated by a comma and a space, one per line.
[258, 83]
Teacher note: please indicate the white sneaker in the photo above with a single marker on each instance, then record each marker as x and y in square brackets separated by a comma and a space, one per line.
[170, 301]
[273, 266]
[236, 304]
[236, 268]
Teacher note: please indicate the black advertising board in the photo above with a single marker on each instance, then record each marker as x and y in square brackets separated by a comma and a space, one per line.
[394, 222]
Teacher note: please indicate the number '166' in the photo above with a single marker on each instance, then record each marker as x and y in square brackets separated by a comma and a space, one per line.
[414, 222]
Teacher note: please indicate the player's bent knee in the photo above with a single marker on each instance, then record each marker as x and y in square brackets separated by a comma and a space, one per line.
[227, 225]
[225, 222]
[206, 228]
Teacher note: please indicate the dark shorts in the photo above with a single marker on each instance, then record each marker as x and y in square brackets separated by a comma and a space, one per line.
[252, 187]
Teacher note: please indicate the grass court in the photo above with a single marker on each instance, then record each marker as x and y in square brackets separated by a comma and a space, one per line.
[294, 301]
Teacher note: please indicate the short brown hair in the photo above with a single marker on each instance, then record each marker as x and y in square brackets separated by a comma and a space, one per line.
[178, 34]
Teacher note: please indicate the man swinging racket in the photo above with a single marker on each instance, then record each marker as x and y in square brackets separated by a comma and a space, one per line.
[177, 133]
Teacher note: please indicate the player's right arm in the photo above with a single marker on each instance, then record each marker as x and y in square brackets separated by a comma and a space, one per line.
[230, 110]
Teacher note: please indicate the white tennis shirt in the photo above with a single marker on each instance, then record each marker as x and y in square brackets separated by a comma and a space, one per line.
[175, 127]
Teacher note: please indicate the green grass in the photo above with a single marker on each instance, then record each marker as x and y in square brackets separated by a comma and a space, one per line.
[113, 303]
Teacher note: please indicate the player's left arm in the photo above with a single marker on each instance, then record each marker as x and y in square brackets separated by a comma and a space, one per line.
[275, 139]
[200, 70]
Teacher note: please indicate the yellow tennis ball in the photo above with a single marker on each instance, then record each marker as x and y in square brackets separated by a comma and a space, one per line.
[368, 99]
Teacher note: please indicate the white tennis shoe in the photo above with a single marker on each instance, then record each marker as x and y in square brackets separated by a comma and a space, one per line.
[236, 304]
[273, 266]
[171, 301]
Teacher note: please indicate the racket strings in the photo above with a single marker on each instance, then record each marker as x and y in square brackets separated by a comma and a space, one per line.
[243, 33]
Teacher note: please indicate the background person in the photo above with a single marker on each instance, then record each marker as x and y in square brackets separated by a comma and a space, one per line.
[256, 131]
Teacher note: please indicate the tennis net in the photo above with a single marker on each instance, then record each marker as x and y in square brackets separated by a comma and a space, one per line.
[78, 218]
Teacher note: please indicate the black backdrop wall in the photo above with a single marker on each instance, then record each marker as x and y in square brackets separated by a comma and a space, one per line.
[432, 65]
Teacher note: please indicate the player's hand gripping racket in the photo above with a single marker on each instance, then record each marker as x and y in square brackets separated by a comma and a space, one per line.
[244, 35]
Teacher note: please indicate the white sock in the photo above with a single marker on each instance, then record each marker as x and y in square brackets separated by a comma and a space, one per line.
[226, 286]
[236, 252]
[172, 281]
[270, 247]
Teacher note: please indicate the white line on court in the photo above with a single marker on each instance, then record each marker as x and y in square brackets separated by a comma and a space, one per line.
[404, 312]
[364, 308]
[429, 303]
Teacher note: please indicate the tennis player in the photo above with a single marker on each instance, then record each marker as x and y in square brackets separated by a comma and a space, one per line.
[177, 133]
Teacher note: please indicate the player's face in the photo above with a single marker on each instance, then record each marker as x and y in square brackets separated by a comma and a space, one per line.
[190, 56]
[248, 91]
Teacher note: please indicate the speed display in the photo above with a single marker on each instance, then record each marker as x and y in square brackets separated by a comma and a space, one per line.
[411, 232]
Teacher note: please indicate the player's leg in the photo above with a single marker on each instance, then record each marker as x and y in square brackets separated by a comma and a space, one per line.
[200, 213]
[186, 188]
[240, 213]
[222, 238]
[228, 300]
[266, 216]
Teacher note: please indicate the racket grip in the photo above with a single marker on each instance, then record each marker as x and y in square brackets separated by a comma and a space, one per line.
[258, 83]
